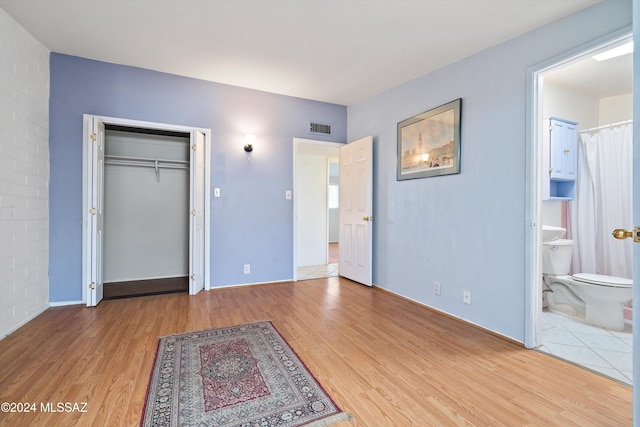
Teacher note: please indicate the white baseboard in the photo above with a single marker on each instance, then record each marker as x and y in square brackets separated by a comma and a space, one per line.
[250, 284]
[63, 303]
[453, 316]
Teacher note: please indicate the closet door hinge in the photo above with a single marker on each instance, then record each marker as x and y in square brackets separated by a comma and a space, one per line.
[92, 286]
[193, 277]
[93, 137]
[193, 147]
[92, 211]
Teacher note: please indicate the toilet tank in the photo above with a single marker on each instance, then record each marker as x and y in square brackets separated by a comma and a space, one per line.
[556, 256]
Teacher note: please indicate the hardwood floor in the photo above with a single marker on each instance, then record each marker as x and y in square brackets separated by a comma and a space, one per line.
[334, 253]
[385, 360]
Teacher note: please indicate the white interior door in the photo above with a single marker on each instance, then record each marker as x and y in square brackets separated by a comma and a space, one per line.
[636, 214]
[356, 210]
[196, 228]
[95, 211]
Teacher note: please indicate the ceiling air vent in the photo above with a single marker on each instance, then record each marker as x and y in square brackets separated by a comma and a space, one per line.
[320, 128]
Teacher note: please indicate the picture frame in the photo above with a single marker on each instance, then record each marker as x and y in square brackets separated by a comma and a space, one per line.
[429, 143]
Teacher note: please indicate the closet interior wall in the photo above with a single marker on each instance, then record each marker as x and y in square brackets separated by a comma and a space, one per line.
[146, 205]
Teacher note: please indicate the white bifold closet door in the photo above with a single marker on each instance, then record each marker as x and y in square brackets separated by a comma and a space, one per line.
[197, 214]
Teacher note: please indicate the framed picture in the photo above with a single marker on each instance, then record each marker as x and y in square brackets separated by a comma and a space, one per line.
[429, 143]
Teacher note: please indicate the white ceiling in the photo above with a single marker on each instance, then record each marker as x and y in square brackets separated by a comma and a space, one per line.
[339, 51]
[603, 79]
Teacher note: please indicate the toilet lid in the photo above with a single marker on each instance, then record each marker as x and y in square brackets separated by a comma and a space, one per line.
[600, 279]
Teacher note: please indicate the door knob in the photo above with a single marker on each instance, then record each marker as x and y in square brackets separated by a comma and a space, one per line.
[621, 233]
[367, 218]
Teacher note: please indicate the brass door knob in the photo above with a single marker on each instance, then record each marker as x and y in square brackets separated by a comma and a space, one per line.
[367, 218]
[621, 234]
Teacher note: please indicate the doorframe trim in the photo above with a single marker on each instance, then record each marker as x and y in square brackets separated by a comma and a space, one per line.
[87, 120]
[533, 179]
[296, 144]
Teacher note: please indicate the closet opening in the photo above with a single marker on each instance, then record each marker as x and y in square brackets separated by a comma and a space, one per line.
[146, 211]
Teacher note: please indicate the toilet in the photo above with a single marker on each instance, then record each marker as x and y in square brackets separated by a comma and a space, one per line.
[596, 298]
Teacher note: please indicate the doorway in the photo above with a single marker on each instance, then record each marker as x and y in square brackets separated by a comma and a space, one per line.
[597, 94]
[316, 198]
[131, 237]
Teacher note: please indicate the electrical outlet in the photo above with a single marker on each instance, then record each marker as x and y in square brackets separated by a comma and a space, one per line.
[436, 287]
[247, 268]
[466, 297]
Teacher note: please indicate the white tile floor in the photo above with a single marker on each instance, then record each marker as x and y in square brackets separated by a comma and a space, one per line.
[317, 271]
[601, 350]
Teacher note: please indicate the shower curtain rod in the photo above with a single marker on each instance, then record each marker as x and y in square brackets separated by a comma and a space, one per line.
[607, 126]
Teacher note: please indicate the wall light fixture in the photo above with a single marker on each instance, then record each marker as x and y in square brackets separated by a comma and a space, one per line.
[249, 139]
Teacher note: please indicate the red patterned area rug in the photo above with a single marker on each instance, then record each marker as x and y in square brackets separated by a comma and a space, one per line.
[240, 376]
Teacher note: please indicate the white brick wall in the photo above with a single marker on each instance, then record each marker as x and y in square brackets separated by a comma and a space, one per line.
[24, 176]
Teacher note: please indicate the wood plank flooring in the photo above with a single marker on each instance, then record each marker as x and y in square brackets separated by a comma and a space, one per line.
[334, 253]
[385, 360]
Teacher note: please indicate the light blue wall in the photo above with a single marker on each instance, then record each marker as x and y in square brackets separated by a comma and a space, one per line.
[467, 231]
[252, 223]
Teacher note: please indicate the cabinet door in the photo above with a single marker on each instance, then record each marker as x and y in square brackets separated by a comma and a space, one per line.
[563, 150]
[570, 151]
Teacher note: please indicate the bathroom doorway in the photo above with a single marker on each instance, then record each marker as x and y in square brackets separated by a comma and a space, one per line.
[596, 93]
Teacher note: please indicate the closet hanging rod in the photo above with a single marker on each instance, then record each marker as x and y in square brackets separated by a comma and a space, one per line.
[607, 126]
[144, 164]
[144, 159]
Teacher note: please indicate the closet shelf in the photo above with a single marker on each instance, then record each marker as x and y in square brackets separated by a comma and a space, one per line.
[143, 162]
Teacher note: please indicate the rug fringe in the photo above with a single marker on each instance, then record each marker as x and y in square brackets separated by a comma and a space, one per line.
[342, 416]
[210, 329]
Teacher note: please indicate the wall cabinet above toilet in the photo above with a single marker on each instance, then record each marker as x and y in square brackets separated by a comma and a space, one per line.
[559, 159]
